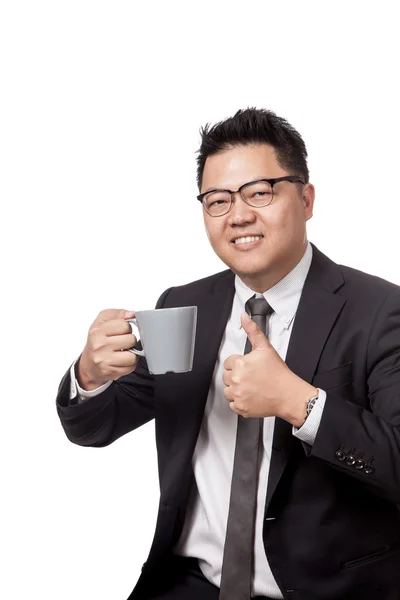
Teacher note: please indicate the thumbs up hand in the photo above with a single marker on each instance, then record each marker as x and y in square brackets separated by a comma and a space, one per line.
[260, 384]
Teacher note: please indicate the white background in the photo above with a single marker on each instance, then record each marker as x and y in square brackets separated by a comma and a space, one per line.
[101, 105]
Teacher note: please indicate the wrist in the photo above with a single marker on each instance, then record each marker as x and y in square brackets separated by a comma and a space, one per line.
[297, 407]
[84, 377]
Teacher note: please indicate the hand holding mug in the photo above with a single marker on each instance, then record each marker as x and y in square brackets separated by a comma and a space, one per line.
[102, 359]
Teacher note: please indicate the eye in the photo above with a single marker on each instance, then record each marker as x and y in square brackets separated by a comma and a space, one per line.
[217, 202]
[261, 194]
[258, 193]
[217, 199]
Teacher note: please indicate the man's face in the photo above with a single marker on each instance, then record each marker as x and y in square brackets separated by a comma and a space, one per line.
[281, 224]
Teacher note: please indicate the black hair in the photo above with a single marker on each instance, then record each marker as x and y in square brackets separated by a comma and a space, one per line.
[255, 126]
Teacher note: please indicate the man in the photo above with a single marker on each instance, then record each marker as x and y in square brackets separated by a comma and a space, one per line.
[279, 456]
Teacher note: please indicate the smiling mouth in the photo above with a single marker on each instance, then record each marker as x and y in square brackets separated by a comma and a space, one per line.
[248, 239]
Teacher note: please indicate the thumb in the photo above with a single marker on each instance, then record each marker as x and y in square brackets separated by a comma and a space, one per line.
[257, 338]
[110, 314]
[129, 314]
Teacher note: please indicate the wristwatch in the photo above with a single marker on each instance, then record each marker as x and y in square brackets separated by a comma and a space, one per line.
[310, 405]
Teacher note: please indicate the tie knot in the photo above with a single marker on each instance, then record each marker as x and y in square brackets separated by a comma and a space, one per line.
[258, 306]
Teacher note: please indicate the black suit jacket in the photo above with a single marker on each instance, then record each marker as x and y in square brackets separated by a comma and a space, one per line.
[332, 528]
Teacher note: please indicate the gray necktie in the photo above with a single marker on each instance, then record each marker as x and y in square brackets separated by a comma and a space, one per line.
[237, 565]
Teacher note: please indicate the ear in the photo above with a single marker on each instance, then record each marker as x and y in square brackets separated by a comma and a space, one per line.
[307, 198]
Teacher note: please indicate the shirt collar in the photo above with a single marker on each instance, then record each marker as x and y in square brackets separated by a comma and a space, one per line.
[284, 296]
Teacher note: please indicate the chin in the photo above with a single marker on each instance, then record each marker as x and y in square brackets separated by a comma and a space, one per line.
[249, 271]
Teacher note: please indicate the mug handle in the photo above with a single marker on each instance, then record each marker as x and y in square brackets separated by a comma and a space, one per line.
[133, 350]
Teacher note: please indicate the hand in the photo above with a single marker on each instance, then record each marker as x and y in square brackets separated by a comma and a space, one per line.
[260, 384]
[102, 359]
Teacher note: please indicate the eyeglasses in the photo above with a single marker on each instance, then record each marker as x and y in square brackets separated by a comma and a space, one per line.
[255, 193]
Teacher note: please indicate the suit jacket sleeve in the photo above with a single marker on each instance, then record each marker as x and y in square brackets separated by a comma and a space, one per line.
[370, 434]
[124, 406]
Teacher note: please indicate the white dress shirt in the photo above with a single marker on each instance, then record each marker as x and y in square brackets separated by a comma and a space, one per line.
[204, 531]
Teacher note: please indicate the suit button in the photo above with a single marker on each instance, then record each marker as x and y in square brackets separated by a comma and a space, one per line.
[350, 458]
[369, 468]
[359, 464]
[340, 454]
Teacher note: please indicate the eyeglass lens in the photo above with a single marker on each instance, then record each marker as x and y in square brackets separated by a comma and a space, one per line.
[256, 194]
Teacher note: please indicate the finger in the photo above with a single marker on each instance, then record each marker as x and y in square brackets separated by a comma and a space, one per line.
[130, 314]
[115, 327]
[254, 333]
[122, 342]
[227, 377]
[228, 393]
[233, 407]
[230, 361]
[123, 360]
[236, 410]
[237, 371]
[118, 373]
[114, 372]
[110, 314]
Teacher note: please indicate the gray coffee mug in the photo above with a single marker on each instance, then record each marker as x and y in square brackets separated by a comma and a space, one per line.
[168, 337]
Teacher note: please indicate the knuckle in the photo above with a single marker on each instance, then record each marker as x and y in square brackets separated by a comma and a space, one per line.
[109, 313]
[107, 369]
[242, 407]
[94, 330]
[97, 345]
[104, 315]
[97, 360]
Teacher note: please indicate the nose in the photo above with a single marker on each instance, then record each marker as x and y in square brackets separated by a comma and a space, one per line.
[240, 211]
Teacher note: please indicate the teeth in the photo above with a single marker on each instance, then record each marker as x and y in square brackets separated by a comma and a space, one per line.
[248, 239]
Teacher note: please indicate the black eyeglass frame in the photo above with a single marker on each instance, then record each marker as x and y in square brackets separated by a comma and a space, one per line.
[271, 181]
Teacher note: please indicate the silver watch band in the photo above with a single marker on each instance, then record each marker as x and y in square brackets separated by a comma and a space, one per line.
[310, 404]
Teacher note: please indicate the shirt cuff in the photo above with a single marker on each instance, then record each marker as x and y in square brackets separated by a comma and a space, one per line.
[76, 390]
[308, 432]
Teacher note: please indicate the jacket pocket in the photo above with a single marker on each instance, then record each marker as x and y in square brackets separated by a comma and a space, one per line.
[334, 377]
[384, 552]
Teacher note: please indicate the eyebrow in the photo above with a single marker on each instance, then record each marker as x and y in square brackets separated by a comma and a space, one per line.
[214, 189]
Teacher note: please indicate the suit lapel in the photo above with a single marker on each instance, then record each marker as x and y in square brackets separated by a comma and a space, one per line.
[191, 389]
[318, 310]
[214, 310]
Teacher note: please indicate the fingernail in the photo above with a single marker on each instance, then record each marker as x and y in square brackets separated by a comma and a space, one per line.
[129, 313]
